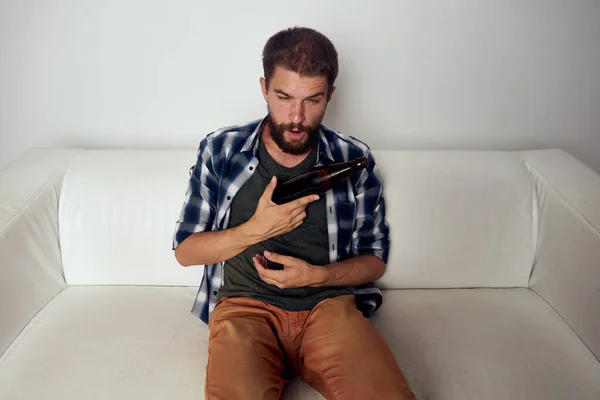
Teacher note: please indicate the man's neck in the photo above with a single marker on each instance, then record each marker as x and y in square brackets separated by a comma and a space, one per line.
[284, 159]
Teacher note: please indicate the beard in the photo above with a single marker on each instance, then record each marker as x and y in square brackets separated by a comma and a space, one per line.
[295, 147]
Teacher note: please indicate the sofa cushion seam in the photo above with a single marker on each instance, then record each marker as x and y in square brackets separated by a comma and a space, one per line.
[26, 329]
[35, 195]
[562, 196]
[560, 319]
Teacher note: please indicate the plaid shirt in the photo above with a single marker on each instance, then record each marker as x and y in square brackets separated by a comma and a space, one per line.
[227, 158]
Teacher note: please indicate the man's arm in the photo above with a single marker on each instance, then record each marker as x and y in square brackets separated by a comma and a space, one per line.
[203, 248]
[371, 231]
[296, 272]
[269, 220]
[353, 271]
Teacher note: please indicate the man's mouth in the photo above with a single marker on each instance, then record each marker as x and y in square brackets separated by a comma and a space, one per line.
[295, 133]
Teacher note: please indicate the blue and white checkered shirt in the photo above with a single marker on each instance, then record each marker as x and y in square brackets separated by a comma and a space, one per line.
[227, 158]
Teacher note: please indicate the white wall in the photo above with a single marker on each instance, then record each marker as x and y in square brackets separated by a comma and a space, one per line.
[414, 74]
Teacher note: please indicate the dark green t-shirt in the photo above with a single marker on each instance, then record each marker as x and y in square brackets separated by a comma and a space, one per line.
[309, 242]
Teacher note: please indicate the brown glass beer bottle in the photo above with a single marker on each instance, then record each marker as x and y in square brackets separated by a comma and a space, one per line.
[316, 180]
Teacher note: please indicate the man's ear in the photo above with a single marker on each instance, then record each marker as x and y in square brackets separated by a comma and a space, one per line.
[263, 88]
[330, 94]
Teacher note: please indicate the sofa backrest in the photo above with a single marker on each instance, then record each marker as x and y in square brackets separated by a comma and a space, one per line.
[457, 218]
[117, 213]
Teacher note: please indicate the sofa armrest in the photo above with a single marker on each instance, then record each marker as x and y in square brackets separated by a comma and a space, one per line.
[30, 264]
[566, 272]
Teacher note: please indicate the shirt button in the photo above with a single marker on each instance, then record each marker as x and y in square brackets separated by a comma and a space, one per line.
[215, 292]
[228, 197]
[251, 168]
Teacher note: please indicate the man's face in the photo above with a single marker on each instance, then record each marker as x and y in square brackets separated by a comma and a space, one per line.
[296, 107]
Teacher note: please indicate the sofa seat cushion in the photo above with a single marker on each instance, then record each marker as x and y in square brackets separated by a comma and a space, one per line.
[109, 342]
[119, 342]
[486, 344]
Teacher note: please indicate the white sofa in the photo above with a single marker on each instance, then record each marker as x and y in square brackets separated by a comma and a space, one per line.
[492, 289]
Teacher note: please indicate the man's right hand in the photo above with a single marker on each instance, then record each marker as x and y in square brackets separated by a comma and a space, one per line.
[270, 219]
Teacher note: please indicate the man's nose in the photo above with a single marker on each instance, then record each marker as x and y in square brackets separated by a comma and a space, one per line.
[297, 112]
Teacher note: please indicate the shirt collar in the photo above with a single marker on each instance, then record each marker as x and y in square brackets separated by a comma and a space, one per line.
[323, 145]
[251, 142]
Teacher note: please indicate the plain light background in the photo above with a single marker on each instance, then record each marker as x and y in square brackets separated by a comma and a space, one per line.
[414, 74]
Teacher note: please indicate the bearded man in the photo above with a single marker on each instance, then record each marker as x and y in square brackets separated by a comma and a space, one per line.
[310, 317]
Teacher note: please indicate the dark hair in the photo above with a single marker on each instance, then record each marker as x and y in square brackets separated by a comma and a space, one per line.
[302, 50]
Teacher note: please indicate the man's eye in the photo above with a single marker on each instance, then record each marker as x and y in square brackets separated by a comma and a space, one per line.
[313, 101]
[283, 98]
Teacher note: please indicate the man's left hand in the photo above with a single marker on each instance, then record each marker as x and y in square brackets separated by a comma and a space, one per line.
[295, 272]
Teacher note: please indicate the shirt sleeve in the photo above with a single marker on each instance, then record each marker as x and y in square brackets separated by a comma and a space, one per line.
[199, 207]
[371, 231]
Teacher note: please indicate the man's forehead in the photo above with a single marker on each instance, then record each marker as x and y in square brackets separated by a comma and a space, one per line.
[290, 81]
[283, 73]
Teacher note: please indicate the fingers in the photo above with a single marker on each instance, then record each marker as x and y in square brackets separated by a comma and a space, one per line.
[278, 258]
[303, 201]
[274, 283]
[297, 224]
[266, 274]
[283, 279]
[299, 218]
[263, 262]
[259, 263]
[293, 220]
[296, 212]
[268, 193]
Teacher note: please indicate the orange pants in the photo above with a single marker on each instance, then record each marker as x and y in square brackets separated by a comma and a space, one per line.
[255, 348]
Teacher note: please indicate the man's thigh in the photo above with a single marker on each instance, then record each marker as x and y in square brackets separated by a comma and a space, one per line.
[244, 357]
[344, 357]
